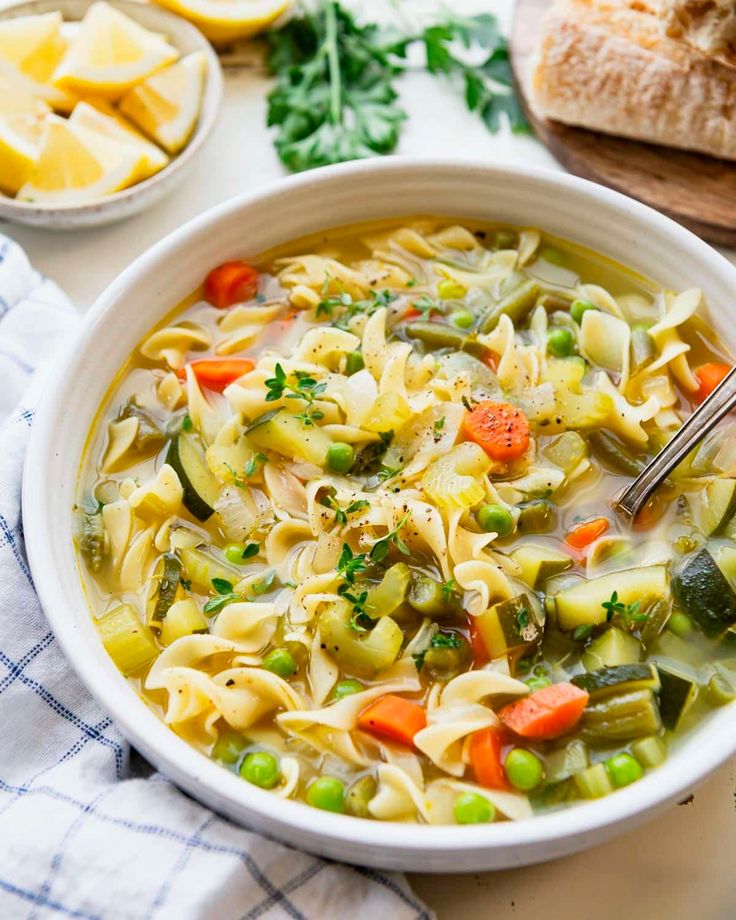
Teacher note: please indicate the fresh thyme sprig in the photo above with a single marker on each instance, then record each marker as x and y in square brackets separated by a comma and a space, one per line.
[306, 388]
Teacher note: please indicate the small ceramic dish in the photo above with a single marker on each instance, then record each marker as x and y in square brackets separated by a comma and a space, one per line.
[183, 36]
[244, 227]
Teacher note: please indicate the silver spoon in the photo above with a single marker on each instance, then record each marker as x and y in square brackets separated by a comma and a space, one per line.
[720, 402]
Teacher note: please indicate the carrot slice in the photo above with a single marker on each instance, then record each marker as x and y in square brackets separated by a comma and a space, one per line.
[709, 376]
[584, 534]
[485, 759]
[217, 373]
[502, 430]
[394, 717]
[230, 283]
[546, 713]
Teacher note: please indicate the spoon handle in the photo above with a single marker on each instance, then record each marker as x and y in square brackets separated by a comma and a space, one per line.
[720, 402]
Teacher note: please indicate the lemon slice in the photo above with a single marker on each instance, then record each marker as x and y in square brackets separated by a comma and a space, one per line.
[34, 44]
[166, 105]
[100, 116]
[22, 118]
[226, 20]
[77, 166]
[110, 53]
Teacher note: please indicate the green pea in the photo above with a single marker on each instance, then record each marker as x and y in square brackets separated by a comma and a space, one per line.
[448, 289]
[462, 318]
[524, 770]
[553, 256]
[280, 661]
[495, 519]
[228, 747]
[354, 363]
[561, 342]
[340, 457]
[471, 808]
[680, 624]
[234, 553]
[624, 769]
[347, 688]
[327, 793]
[578, 307]
[261, 769]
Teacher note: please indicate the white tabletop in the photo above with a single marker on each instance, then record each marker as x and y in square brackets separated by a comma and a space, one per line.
[680, 865]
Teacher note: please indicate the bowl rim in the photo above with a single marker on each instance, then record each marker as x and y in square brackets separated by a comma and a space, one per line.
[211, 103]
[206, 780]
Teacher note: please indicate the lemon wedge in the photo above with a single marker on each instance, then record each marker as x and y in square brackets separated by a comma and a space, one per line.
[100, 116]
[77, 166]
[22, 118]
[226, 20]
[110, 53]
[166, 105]
[34, 44]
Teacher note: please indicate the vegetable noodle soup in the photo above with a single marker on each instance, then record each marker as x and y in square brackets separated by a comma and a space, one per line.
[346, 524]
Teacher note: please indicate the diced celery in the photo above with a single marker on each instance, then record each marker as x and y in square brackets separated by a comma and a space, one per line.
[359, 652]
[650, 752]
[567, 761]
[388, 413]
[200, 568]
[454, 481]
[594, 782]
[129, 642]
[567, 451]
[384, 598]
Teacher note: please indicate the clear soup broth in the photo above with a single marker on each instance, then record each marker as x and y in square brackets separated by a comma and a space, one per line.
[345, 523]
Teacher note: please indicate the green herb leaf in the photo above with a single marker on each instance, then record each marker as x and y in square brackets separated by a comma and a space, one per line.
[264, 585]
[251, 467]
[445, 640]
[186, 424]
[522, 620]
[222, 586]
[380, 548]
[350, 564]
[251, 549]
[217, 603]
[448, 589]
[580, 633]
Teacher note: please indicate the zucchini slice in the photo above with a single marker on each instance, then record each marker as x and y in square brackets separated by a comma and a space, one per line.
[612, 648]
[582, 604]
[626, 678]
[164, 588]
[538, 563]
[714, 506]
[201, 489]
[620, 717]
[511, 628]
[705, 593]
[676, 696]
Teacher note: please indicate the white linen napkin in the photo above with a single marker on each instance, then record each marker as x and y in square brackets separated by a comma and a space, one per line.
[87, 828]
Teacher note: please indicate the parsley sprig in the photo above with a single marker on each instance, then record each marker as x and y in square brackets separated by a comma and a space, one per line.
[342, 308]
[226, 594]
[305, 388]
[335, 98]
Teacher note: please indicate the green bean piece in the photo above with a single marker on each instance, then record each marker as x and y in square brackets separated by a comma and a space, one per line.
[448, 655]
[440, 335]
[432, 599]
[537, 516]
[326, 793]
[354, 362]
[720, 690]
[515, 305]
[613, 455]
[473, 808]
[359, 795]
[643, 349]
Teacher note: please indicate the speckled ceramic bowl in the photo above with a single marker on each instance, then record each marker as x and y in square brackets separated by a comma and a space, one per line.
[567, 207]
[183, 36]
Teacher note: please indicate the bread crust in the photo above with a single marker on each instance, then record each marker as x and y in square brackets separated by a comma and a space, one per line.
[708, 25]
[607, 66]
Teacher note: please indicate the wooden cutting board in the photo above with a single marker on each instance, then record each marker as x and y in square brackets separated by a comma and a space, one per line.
[696, 190]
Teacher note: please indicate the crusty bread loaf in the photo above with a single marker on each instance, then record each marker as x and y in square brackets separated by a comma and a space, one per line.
[708, 25]
[606, 65]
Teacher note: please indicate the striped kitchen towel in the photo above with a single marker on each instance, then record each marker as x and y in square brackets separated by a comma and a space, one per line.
[87, 828]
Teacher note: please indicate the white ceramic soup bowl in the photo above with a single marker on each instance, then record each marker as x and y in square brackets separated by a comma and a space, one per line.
[568, 207]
